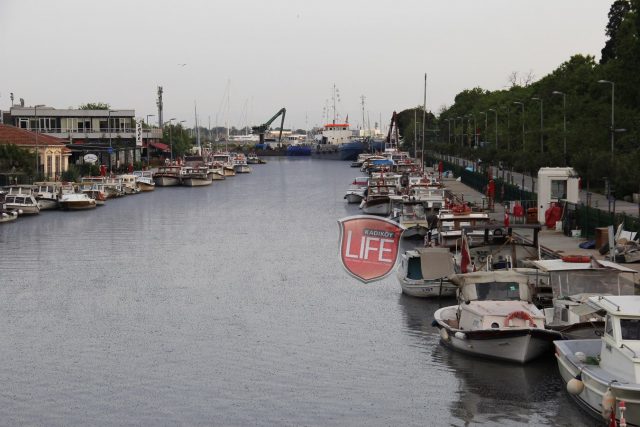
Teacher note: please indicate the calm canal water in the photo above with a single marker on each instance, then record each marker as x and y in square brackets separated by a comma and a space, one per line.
[228, 305]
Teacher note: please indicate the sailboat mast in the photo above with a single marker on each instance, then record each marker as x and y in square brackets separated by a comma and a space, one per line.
[424, 117]
[195, 110]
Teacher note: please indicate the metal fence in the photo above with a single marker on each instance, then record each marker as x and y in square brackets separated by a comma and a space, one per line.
[587, 219]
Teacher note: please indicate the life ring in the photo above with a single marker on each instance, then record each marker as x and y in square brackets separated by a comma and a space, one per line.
[576, 258]
[519, 314]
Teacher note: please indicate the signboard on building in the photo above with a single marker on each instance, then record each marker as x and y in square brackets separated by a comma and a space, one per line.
[139, 133]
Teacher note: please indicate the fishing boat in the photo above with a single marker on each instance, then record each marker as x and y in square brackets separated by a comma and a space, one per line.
[168, 176]
[495, 318]
[224, 160]
[76, 201]
[23, 203]
[95, 192]
[377, 201]
[355, 192]
[46, 193]
[145, 181]
[452, 221]
[240, 163]
[129, 183]
[196, 176]
[603, 373]
[425, 273]
[411, 214]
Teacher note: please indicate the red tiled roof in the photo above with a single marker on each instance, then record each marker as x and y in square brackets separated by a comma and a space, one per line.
[160, 146]
[26, 138]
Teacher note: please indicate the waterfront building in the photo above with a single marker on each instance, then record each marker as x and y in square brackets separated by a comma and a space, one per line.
[109, 134]
[52, 154]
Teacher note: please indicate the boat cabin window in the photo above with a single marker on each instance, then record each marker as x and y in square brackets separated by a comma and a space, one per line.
[609, 326]
[499, 291]
[630, 329]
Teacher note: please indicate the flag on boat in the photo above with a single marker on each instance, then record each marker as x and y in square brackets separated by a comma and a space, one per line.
[465, 258]
[369, 246]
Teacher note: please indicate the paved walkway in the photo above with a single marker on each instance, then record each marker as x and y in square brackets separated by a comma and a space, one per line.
[549, 239]
[528, 183]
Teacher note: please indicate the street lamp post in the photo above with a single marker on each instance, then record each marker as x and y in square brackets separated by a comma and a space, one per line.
[170, 140]
[148, 115]
[541, 123]
[564, 123]
[522, 104]
[461, 130]
[449, 125]
[495, 111]
[612, 111]
[475, 134]
[484, 113]
[37, 133]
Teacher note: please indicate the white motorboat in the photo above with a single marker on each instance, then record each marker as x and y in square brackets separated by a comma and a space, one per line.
[168, 176]
[412, 215]
[495, 318]
[129, 183]
[76, 201]
[224, 159]
[425, 273]
[573, 279]
[24, 204]
[452, 221]
[355, 192]
[46, 193]
[196, 176]
[601, 373]
[240, 163]
[145, 181]
[7, 215]
[217, 171]
[376, 201]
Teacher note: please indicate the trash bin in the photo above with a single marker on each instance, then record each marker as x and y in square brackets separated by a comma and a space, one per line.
[532, 216]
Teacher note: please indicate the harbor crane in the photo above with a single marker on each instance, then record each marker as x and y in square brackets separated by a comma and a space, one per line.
[263, 128]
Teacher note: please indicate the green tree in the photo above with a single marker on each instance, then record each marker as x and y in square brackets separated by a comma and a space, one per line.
[95, 106]
[617, 13]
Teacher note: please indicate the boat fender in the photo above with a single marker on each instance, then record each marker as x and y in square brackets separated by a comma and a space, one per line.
[608, 403]
[460, 335]
[444, 334]
[575, 385]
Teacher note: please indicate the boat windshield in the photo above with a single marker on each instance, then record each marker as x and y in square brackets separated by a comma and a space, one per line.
[568, 283]
[499, 291]
[630, 329]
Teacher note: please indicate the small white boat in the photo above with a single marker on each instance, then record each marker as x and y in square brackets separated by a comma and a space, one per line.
[46, 193]
[129, 183]
[356, 191]
[240, 164]
[452, 221]
[76, 201]
[145, 181]
[196, 176]
[167, 176]
[8, 216]
[376, 201]
[495, 318]
[602, 372]
[24, 204]
[425, 273]
[412, 215]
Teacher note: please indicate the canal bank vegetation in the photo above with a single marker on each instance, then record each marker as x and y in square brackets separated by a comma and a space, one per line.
[564, 118]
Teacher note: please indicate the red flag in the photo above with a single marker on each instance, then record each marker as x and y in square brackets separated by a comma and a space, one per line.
[465, 259]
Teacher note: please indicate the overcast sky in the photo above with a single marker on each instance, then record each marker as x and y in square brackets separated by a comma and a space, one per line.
[282, 53]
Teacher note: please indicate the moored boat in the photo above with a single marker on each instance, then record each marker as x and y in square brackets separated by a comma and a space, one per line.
[495, 318]
[425, 273]
[145, 181]
[196, 176]
[602, 372]
[167, 176]
[24, 204]
[76, 201]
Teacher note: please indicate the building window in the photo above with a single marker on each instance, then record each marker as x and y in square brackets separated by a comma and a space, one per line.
[49, 164]
[84, 125]
[23, 123]
[58, 165]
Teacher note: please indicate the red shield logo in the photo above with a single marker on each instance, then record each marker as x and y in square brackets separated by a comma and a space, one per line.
[369, 246]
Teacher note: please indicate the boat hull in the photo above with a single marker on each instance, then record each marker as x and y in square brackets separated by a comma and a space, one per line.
[377, 207]
[427, 288]
[229, 171]
[146, 187]
[242, 169]
[47, 204]
[24, 210]
[353, 197]
[8, 216]
[518, 345]
[166, 181]
[196, 182]
[77, 205]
